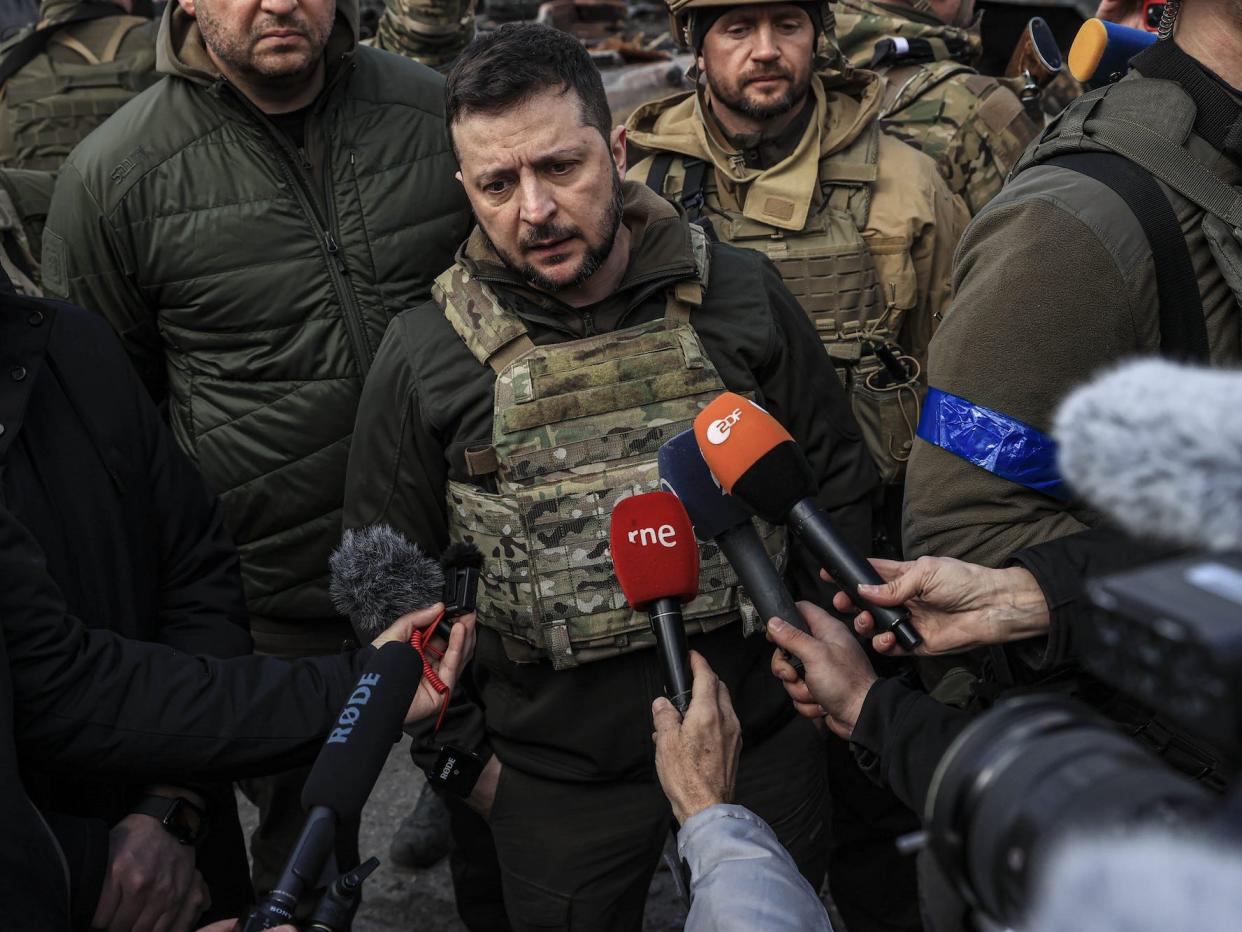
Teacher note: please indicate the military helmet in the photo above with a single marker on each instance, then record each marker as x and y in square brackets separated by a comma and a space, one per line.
[681, 16]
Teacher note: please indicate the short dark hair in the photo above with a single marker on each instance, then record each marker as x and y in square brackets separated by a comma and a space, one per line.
[507, 67]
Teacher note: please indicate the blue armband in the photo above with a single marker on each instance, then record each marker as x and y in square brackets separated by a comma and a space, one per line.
[992, 440]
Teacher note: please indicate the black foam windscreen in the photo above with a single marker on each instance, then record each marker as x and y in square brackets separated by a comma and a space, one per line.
[357, 747]
[776, 482]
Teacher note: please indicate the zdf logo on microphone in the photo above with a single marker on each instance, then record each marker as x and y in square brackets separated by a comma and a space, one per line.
[718, 431]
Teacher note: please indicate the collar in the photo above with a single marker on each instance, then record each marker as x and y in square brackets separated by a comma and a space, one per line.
[760, 151]
[780, 195]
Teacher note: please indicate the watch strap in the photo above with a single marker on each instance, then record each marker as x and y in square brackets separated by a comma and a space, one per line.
[175, 814]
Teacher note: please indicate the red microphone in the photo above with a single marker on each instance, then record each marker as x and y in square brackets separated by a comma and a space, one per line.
[758, 463]
[656, 559]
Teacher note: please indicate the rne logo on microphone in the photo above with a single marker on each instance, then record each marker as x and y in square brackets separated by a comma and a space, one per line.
[718, 431]
[665, 535]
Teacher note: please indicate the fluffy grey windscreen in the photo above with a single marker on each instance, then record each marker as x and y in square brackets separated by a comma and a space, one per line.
[1157, 446]
[378, 576]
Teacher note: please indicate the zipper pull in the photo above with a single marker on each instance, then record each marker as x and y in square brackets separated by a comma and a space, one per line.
[334, 250]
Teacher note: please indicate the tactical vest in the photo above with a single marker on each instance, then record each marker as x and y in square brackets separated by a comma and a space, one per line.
[576, 427]
[836, 278]
[1151, 123]
[48, 106]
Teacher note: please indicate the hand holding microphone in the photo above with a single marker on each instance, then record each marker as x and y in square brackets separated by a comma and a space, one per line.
[757, 461]
[697, 753]
[656, 560]
[837, 675]
[955, 606]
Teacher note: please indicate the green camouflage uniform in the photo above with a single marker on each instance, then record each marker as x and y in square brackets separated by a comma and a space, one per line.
[429, 31]
[974, 126]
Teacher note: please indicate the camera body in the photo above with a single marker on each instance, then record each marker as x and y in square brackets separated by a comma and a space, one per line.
[1039, 767]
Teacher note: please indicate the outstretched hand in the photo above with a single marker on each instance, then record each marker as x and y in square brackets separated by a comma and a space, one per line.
[955, 606]
[837, 675]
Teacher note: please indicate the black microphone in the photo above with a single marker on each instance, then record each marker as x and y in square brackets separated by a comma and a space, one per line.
[758, 462]
[718, 517]
[344, 774]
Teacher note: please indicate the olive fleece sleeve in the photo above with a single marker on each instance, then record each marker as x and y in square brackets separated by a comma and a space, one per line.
[397, 475]
[1045, 294]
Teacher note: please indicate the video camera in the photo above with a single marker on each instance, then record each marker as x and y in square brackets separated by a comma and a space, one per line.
[1038, 768]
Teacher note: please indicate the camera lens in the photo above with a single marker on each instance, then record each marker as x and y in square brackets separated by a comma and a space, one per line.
[1032, 770]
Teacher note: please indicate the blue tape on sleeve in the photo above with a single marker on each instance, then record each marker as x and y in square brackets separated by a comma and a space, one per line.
[992, 440]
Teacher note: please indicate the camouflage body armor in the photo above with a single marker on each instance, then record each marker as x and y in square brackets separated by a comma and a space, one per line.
[24, 200]
[835, 275]
[84, 71]
[576, 428]
[429, 31]
[973, 125]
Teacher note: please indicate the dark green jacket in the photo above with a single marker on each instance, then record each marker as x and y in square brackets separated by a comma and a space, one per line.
[251, 283]
[427, 399]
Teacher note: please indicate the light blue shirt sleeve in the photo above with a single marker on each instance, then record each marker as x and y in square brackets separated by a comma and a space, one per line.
[742, 879]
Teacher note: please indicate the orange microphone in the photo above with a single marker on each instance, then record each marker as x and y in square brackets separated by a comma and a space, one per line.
[757, 462]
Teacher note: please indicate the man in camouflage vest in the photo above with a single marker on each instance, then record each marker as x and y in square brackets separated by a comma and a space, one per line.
[68, 73]
[584, 323]
[974, 126]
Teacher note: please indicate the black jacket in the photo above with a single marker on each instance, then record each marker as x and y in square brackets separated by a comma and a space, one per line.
[77, 702]
[902, 733]
[132, 538]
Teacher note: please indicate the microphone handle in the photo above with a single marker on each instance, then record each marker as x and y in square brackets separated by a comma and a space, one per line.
[670, 635]
[743, 548]
[849, 569]
[302, 871]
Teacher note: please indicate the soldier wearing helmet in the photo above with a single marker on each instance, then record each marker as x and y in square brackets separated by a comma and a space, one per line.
[776, 151]
[973, 125]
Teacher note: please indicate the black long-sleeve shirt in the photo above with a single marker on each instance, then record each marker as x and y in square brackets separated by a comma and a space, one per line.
[95, 705]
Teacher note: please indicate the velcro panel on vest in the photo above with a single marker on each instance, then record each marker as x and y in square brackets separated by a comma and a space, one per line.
[648, 368]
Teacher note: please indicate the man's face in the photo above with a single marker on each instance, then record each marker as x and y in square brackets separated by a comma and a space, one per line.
[269, 41]
[545, 187]
[757, 59]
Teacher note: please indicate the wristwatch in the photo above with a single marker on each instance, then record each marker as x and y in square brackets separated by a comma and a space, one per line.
[456, 771]
[181, 818]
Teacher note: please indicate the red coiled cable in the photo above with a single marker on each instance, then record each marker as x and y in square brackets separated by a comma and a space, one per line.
[420, 640]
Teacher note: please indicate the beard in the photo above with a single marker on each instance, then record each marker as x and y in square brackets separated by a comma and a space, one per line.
[237, 49]
[599, 247]
[734, 98]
